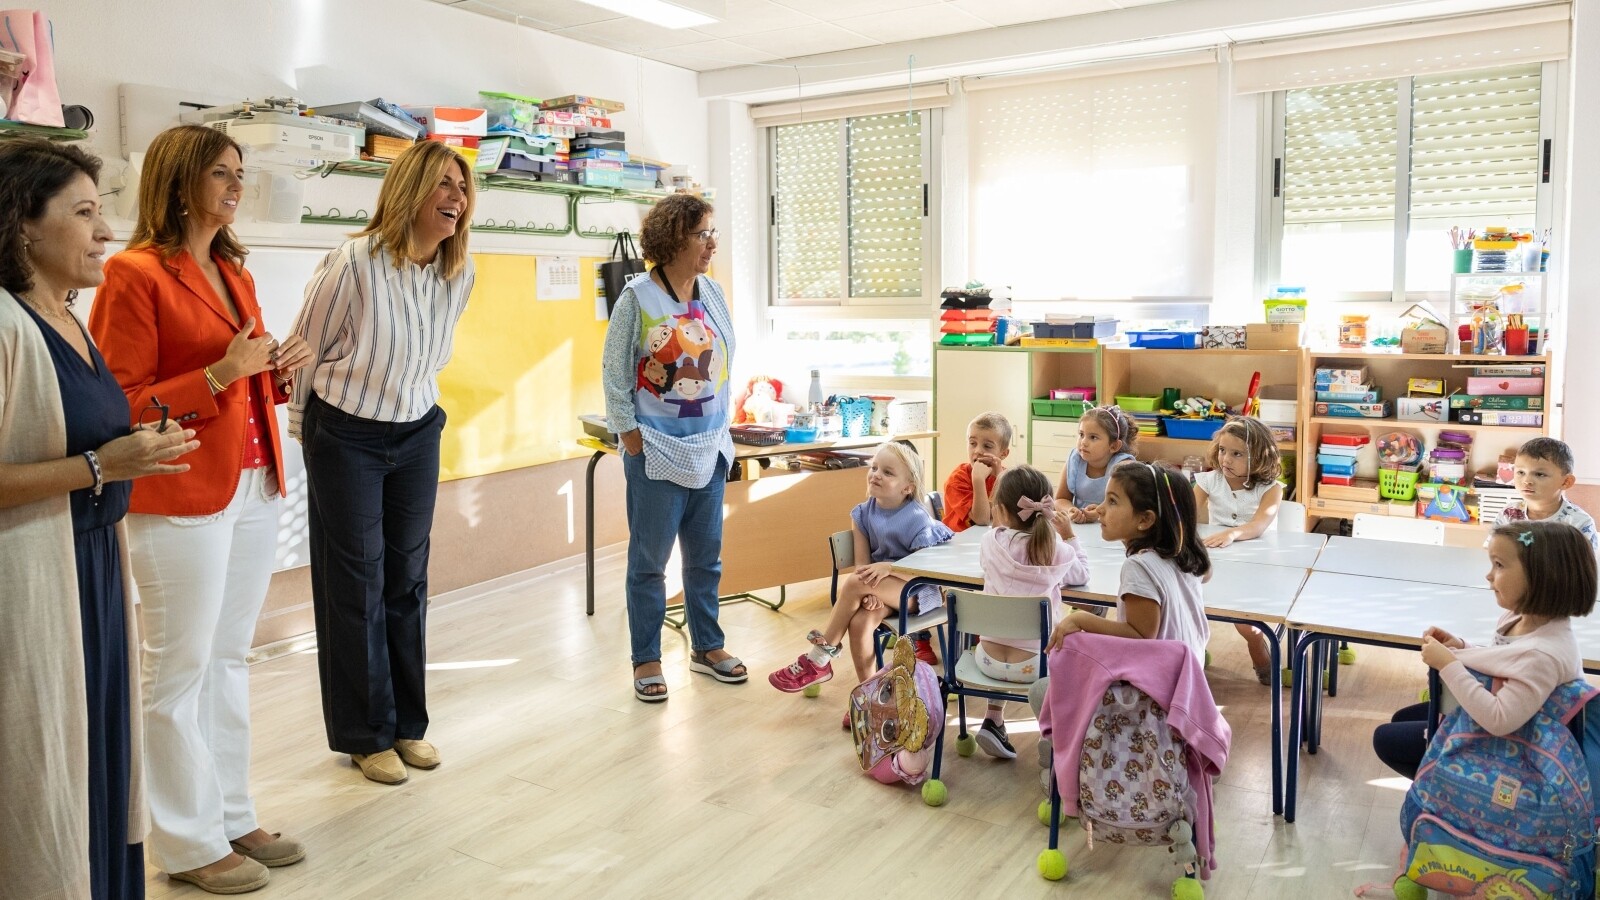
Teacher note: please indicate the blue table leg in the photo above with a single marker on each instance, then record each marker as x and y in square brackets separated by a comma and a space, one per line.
[1297, 693]
[1276, 656]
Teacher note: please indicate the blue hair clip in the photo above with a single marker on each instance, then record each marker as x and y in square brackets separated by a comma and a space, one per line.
[1526, 538]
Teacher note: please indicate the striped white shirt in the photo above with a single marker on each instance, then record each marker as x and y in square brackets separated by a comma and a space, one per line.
[379, 335]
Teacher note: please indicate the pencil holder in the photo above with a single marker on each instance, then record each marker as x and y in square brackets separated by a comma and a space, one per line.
[1516, 342]
[1463, 261]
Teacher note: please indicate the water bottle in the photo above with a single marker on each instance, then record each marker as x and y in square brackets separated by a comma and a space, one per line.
[814, 399]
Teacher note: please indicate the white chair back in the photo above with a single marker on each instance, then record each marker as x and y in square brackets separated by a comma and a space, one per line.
[1396, 528]
[997, 616]
[1291, 516]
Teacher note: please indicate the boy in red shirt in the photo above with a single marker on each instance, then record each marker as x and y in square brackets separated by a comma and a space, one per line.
[970, 487]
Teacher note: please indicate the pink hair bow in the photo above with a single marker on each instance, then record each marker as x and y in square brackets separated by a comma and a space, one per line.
[1026, 507]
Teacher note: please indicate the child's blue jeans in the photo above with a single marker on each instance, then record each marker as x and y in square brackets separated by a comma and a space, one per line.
[659, 513]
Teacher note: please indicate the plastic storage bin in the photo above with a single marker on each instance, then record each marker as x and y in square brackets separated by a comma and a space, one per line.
[1165, 340]
[1061, 409]
[1192, 429]
[1397, 484]
[1137, 403]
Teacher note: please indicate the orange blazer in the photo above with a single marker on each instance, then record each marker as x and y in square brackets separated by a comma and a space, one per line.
[159, 324]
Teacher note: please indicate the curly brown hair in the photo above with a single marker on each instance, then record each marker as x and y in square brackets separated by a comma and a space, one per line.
[1260, 450]
[32, 171]
[669, 225]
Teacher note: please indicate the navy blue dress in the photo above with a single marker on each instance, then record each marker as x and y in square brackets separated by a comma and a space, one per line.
[96, 412]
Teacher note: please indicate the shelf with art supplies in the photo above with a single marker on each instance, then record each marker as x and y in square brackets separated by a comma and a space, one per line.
[974, 315]
[1498, 291]
[1386, 429]
[767, 414]
[1181, 393]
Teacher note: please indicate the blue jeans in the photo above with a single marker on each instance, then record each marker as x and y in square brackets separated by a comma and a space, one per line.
[660, 512]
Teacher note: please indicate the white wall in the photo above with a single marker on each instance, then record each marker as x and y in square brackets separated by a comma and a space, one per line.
[331, 51]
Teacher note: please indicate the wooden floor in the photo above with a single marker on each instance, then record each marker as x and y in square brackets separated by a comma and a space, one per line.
[558, 783]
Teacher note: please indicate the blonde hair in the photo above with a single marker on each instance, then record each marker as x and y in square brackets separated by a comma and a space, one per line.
[410, 182]
[1260, 450]
[995, 422]
[175, 168]
[912, 463]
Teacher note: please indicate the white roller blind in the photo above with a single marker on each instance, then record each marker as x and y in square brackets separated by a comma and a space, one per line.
[864, 103]
[1098, 187]
[1475, 145]
[1428, 47]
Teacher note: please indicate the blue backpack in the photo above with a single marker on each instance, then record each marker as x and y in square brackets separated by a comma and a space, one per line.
[1510, 816]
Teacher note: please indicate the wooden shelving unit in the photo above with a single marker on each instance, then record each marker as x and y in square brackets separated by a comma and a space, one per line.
[1390, 371]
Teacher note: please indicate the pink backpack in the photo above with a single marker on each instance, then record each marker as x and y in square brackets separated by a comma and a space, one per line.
[896, 718]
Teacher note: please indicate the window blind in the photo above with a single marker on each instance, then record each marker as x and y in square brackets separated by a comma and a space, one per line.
[1475, 145]
[886, 206]
[1095, 187]
[808, 176]
[1339, 153]
[841, 106]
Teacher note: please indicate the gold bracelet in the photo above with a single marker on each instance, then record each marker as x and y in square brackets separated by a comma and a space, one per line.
[217, 387]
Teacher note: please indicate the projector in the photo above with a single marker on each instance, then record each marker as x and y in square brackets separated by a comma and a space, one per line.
[275, 136]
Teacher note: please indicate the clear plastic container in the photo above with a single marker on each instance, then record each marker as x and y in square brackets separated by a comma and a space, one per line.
[510, 112]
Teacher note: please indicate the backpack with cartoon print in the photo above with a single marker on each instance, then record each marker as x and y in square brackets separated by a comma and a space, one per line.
[896, 717]
[1133, 774]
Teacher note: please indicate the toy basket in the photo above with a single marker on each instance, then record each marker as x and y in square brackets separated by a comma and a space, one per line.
[857, 415]
[1397, 484]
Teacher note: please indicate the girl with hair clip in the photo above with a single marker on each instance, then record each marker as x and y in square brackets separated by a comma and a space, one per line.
[1241, 493]
[1031, 552]
[891, 524]
[1106, 436]
[1542, 574]
[1149, 508]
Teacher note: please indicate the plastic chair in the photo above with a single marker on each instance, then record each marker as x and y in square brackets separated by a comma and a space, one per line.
[1395, 528]
[842, 550]
[972, 614]
[1291, 516]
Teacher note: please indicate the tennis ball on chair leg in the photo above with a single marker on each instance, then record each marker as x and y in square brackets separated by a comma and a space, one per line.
[813, 690]
[1347, 656]
[934, 793]
[966, 745]
[1422, 695]
[1052, 864]
[1187, 889]
[1406, 889]
[1044, 814]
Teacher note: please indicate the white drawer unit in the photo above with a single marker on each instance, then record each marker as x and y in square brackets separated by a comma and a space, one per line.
[1052, 441]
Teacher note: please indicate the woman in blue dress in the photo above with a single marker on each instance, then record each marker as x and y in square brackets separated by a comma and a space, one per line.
[72, 825]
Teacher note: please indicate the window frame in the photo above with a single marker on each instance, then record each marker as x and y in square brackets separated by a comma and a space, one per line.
[1269, 268]
[862, 307]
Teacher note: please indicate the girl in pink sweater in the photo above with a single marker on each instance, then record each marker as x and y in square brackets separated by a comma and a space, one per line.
[1542, 573]
[1031, 552]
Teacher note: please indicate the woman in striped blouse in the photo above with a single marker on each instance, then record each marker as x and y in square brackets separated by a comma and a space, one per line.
[379, 316]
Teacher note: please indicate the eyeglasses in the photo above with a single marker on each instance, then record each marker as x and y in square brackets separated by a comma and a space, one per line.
[706, 236]
[159, 419]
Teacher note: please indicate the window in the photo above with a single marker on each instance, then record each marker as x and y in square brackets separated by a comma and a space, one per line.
[1369, 177]
[850, 206]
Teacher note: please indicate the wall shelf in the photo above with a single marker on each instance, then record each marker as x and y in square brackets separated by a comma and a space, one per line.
[10, 129]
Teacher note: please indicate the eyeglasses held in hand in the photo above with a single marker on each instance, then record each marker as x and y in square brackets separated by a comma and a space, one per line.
[160, 411]
[706, 236]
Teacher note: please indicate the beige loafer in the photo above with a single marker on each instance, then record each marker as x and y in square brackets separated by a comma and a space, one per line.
[383, 767]
[282, 851]
[417, 754]
[247, 876]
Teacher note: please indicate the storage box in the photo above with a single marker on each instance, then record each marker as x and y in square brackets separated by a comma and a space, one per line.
[584, 100]
[1222, 337]
[1520, 385]
[1272, 337]
[611, 178]
[1192, 429]
[1354, 410]
[1137, 403]
[384, 147]
[1426, 339]
[1281, 433]
[1476, 401]
[1421, 409]
[617, 156]
[1433, 386]
[1362, 490]
[1279, 411]
[463, 120]
[1165, 340]
[1509, 418]
[1350, 396]
[1328, 379]
[1285, 311]
[1060, 409]
[908, 416]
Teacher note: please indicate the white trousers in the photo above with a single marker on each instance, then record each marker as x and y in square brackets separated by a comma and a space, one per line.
[201, 584]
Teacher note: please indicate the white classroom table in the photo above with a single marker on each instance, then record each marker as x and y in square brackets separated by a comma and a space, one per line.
[1297, 549]
[1365, 609]
[1244, 592]
[1458, 566]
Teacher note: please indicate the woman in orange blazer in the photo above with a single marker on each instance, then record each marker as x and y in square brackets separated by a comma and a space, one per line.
[179, 326]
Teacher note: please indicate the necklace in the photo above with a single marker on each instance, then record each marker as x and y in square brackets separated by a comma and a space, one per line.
[64, 317]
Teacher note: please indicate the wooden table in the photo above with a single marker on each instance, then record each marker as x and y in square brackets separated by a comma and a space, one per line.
[775, 527]
[1250, 593]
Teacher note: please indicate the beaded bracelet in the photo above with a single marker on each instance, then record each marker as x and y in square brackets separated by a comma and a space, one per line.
[94, 467]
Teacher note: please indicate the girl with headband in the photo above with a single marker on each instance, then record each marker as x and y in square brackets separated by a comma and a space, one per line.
[1106, 436]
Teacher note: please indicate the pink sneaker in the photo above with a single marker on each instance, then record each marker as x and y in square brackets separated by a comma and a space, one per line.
[798, 675]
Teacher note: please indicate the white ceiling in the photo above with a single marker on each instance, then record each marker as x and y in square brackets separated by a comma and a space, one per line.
[759, 31]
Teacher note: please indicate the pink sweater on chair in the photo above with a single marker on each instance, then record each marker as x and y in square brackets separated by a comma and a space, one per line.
[1086, 664]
